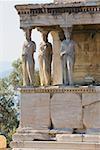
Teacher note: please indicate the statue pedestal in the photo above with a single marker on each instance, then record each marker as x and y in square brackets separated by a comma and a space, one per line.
[50, 117]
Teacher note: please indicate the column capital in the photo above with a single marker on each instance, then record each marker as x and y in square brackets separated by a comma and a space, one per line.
[27, 32]
[43, 30]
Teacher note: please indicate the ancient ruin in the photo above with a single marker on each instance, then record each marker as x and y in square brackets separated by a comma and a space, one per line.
[62, 116]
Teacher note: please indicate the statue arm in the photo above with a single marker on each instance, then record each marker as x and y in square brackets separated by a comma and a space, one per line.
[62, 50]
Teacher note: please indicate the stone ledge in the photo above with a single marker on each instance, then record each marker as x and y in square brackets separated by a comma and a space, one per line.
[59, 89]
[91, 138]
[69, 137]
[53, 145]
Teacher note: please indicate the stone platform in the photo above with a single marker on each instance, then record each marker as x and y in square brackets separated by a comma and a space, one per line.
[59, 117]
[53, 145]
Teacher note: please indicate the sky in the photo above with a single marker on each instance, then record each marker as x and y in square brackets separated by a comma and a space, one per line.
[11, 36]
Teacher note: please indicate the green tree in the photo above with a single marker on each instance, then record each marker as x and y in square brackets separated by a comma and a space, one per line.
[8, 110]
[8, 113]
[15, 77]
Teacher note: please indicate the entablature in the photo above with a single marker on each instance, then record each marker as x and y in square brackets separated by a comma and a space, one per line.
[54, 9]
[37, 15]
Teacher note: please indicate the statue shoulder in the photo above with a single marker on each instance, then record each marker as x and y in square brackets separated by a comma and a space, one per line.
[63, 43]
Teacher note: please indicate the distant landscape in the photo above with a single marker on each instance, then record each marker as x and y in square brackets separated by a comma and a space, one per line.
[5, 68]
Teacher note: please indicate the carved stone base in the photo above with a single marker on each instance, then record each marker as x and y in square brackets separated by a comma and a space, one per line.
[78, 138]
[31, 136]
[54, 113]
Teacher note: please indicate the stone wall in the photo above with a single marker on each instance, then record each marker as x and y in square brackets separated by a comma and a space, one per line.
[87, 53]
[60, 108]
[49, 116]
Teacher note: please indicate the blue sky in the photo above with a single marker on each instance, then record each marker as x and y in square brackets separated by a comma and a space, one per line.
[11, 36]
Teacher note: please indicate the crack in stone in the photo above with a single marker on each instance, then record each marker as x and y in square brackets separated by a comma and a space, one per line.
[91, 104]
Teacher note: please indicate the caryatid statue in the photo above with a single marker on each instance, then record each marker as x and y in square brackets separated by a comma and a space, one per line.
[45, 60]
[67, 54]
[28, 63]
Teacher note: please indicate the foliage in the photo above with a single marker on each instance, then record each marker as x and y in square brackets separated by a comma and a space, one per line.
[15, 77]
[8, 113]
[8, 109]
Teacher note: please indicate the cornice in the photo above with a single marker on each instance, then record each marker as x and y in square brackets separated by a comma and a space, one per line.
[56, 9]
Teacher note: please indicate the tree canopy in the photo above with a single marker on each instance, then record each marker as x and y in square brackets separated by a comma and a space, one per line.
[8, 103]
[8, 112]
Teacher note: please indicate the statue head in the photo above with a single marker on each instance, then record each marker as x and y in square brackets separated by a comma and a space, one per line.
[68, 35]
[62, 36]
[67, 32]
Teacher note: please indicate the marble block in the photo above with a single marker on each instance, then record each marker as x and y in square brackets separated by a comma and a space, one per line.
[90, 98]
[91, 115]
[66, 110]
[35, 111]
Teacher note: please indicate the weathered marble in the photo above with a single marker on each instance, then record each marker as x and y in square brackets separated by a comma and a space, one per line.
[69, 137]
[45, 60]
[31, 136]
[91, 138]
[84, 18]
[28, 62]
[90, 98]
[93, 131]
[52, 145]
[68, 59]
[52, 113]
[35, 111]
[91, 111]
[91, 115]
[66, 111]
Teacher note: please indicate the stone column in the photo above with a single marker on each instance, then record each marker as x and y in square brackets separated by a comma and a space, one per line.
[57, 69]
[45, 59]
[68, 59]
[28, 64]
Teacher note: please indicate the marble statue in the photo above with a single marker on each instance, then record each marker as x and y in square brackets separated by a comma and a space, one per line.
[45, 59]
[67, 54]
[28, 62]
